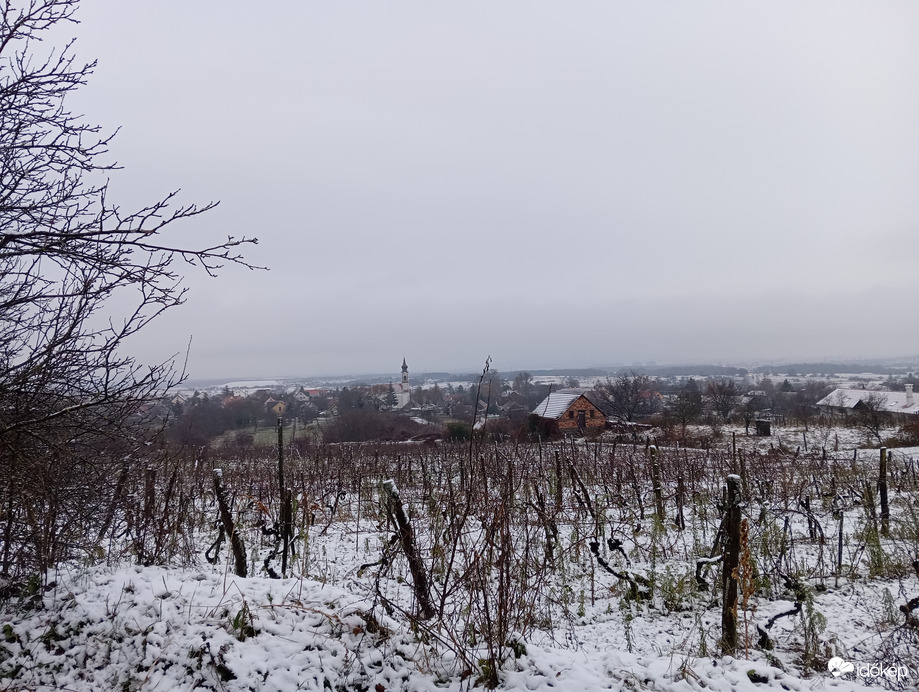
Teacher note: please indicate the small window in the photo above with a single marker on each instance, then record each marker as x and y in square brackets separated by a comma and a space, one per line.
[571, 414]
[591, 413]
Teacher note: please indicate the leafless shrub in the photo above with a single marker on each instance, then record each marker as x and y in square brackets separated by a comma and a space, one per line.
[74, 409]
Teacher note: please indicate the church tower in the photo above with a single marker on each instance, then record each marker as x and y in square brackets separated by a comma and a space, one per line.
[405, 391]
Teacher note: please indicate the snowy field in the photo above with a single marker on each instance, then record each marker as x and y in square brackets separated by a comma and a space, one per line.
[183, 629]
[341, 620]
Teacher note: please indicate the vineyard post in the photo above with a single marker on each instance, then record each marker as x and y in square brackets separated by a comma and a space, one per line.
[420, 583]
[729, 567]
[280, 429]
[286, 518]
[226, 517]
[559, 499]
[656, 482]
[882, 491]
[680, 493]
[839, 549]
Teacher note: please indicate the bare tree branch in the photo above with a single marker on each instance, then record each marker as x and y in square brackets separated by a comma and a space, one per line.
[74, 407]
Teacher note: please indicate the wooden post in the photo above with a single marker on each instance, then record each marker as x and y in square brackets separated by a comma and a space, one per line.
[286, 518]
[839, 551]
[287, 526]
[420, 586]
[656, 483]
[226, 518]
[882, 491]
[730, 562]
[680, 492]
[280, 429]
[559, 497]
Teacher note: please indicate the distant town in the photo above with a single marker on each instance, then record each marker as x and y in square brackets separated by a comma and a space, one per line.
[405, 406]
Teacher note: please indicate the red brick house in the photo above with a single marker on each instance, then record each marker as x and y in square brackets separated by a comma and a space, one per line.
[570, 412]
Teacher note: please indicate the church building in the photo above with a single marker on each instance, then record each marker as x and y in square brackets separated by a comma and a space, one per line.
[403, 389]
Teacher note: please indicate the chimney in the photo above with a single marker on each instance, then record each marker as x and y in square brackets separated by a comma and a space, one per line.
[909, 395]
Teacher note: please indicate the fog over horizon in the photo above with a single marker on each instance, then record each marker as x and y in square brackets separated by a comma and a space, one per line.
[906, 365]
[556, 186]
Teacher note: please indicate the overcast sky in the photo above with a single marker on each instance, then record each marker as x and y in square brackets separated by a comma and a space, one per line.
[556, 184]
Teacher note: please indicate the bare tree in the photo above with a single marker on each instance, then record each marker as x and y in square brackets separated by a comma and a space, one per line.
[686, 406]
[630, 394]
[750, 408]
[72, 403]
[523, 383]
[870, 414]
[806, 398]
[723, 395]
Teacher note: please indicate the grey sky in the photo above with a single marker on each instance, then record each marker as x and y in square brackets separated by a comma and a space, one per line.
[554, 184]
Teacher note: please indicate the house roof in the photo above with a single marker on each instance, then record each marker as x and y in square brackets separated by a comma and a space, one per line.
[555, 405]
[892, 402]
[597, 400]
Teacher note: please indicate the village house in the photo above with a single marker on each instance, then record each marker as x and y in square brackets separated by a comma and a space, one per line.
[570, 412]
[513, 406]
[272, 405]
[301, 395]
[897, 404]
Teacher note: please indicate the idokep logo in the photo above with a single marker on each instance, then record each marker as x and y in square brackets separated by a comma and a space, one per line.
[838, 666]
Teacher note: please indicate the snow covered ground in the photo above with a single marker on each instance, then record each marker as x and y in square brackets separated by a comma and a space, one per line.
[133, 628]
[197, 626]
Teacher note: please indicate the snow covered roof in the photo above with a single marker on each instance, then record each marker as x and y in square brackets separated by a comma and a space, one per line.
[892, 402]
[554, 405]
